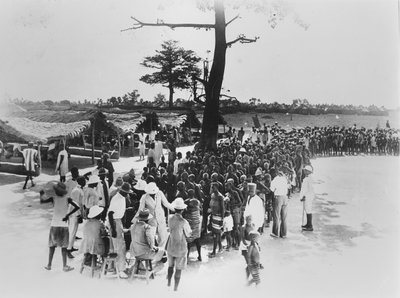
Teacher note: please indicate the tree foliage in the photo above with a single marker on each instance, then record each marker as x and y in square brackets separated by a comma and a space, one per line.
[160, 100]
[174, 67]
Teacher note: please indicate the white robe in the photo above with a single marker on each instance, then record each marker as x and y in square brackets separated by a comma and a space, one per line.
[255, 208]
[64, 164]
[307, 190]
[158, 152]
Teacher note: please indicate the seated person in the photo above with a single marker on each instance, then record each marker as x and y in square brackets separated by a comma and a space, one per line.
[143, 237]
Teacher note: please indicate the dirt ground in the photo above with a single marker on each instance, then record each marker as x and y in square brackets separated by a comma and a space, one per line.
[353, 252]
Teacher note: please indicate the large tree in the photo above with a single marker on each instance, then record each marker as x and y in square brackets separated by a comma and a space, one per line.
[213, 83]
[175, 68]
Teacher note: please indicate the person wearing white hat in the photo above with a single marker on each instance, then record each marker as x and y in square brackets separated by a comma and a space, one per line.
[153, 200]
[307, 196]
[258, 172]
[255, 207]
[177, 245]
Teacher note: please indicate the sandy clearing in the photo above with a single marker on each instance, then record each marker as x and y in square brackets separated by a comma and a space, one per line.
[353, 251]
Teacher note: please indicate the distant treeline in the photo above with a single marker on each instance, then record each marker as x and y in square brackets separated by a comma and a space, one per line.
[299, 106]
[228, 105]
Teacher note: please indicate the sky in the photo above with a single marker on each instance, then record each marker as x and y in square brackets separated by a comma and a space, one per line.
[333, 51]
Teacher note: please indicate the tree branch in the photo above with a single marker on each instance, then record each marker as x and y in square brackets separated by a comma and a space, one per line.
[204, 82]
[197, 99]
[242, 39]
[228, 96]
[232, 20]
[160, 23]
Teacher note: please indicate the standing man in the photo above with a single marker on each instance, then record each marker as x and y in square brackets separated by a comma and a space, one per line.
[142, 144]
[154, 200]
[158, 150]
[280, 188]
[241, 135]
[107, 164]
[115, 214]
[307, 196]
[177, 162]
[90, 197]
[62, 164]
[73, 221]
[59, 225]
[255, 207]
[235, 204]
[177, 244]
[103, 191]
[30, 158]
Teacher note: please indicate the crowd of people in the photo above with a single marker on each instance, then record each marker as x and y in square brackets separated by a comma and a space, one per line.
[333, 140]
[232, 194]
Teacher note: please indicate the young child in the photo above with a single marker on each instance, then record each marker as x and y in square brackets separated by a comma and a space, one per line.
[254, 258]
[245, 240]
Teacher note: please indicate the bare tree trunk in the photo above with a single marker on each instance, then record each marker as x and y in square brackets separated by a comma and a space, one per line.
[209, 130]
[171, 96]
[93, 131]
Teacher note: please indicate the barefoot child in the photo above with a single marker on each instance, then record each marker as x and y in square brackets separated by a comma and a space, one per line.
[59, 233]
[245, 240]
[254, 258]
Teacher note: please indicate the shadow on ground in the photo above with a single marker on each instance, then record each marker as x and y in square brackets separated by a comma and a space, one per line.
[330, 236]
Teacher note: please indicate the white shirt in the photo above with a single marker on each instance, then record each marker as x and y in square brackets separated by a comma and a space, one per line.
[118, 206]
[176, 163]
[307, 189]
[91, 197]
[279, 185]
[142, 139]
[255, 208]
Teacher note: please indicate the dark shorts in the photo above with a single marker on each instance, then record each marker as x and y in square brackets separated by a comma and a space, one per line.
[59, 236]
